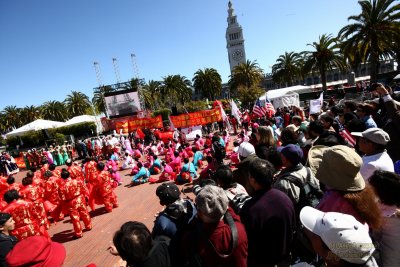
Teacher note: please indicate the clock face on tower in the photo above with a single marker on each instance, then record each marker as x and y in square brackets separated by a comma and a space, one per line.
[237, 54]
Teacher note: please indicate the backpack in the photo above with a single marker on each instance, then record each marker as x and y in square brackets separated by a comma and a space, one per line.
[219, 151]
[310, 194]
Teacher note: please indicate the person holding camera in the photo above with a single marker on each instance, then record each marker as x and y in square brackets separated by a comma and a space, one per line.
[269, 218]
[392, 123]
[216, 237]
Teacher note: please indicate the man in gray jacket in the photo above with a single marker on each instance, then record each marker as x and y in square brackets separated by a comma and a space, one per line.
[291, 156]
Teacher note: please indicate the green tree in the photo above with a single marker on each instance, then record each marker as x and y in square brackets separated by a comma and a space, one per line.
[12, 117]
[247, 74]
[248, 96]
[287, 68]
[372, 31]
[176, 89]
[151, 94]
[98, 97]
[208, 83]
[77, 103]
[325, 56]
[54, 110]
[30, 113]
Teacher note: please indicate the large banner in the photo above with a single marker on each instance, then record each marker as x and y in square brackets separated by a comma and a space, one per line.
[196, 118]
[133, 124]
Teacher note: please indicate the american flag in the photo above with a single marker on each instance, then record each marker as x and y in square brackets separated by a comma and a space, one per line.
[263, 108]
[258, 109]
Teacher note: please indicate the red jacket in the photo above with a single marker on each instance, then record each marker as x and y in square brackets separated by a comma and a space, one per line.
[221, 238]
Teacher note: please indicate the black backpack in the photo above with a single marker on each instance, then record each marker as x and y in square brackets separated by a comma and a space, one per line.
[219, 150]
[310, 194]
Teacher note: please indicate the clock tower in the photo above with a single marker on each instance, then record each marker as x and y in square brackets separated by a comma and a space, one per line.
[234, 40]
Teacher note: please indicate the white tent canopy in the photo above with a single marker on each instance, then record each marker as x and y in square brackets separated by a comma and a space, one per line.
[80, 119]
[36, 125]
[85, 118]
[271, 94]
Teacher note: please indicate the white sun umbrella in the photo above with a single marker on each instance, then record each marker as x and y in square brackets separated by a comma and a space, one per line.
[85, 118]
[36, 125]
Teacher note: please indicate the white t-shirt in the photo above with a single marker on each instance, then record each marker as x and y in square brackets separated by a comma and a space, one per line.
[380, 161]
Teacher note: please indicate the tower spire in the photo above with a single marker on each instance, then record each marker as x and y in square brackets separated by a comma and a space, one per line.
[234, 39]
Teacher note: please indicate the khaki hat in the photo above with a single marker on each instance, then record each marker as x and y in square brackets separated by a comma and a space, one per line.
[375, 135]
[339, 168]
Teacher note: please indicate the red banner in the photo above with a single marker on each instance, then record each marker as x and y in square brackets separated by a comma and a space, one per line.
[20, 162]
[196, 118]
[133, 124]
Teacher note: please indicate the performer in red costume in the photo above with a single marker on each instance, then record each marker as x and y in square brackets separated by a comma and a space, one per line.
[23, 215]
[75, 171]
[52, 199]
[35, 194]
[72, 194]
[103, 191]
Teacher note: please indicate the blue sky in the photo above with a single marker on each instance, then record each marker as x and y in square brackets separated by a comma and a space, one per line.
[47, 48]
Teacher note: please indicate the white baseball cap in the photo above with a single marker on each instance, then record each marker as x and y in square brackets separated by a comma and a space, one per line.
[246, 149]
[342, 234]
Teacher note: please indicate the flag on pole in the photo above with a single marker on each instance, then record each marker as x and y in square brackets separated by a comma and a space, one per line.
[258, 109]
[270, 108]
[235, 112]
[171, 124]
[316, 104]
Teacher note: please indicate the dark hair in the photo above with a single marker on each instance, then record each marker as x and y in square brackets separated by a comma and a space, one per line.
[262, 171]
[316, 127]
[336, 110]
[100, 166]
[139, 164]
[33, 169]
[356, 125]
[11, 195]
[366, 108]
[44, 161]
[288, 136]
[27, 181]
[68, 162]
[327, 118]
[194, 149]
[30, 174]
[64, 174]
[297, 119]
[133, 242]
[387, 186]
[350, 105]
[52, 167]
[224, 176]
[10, 179]
[186, 160]
[176, 153]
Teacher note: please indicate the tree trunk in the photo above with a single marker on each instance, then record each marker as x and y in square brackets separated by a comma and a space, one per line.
[374, 61]
[322, 71]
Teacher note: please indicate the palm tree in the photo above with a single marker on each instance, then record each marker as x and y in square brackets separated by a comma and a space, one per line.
[98, 97]
[12, 117]
[325, 56]
[247, 74]
[286, 68]
[77, 103]
[151, 94]
[30, 113]
[373, 30]
[208, 83]
[176, 89]
[54, 110]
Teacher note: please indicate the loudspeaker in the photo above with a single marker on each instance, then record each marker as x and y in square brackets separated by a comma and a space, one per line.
[174, 111]
[46, 133]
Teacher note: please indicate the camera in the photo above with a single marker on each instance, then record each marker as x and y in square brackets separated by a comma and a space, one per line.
[197, 188]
